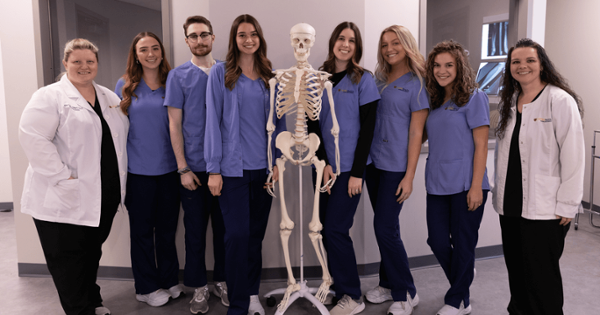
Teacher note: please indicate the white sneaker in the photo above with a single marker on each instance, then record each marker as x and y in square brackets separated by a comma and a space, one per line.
[378, 295]
[255, 307]
[412, 301]
[101, 310]
[220, 290]
[200, 300]
[347, 306]
[175, 291]
[157, 298]
[400, 308]
[451, 310]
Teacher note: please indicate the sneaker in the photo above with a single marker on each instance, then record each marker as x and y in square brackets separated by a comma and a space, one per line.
[101, 310]
[200, 300]
[220, 290]
[412, 301]
[451, 310]
[255, 307]
[400, 308]
[379, 294]
[175, 291]
[347, 306]
[157, 298]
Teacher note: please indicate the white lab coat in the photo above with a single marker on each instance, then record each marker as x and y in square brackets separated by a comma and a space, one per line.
[552, 151]
[61, 135]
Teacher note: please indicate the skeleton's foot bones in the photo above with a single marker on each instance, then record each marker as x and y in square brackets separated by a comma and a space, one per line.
[286, 296]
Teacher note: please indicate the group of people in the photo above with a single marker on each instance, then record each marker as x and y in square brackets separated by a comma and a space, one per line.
[195, 136]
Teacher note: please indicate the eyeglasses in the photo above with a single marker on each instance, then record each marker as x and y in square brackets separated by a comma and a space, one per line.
[194, 37]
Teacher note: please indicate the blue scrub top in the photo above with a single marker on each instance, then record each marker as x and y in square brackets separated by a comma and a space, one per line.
[449, 168]
[149, 149]
[389, 151]
[223, 149]
[347, 97]
[186, 90]
[253, 122]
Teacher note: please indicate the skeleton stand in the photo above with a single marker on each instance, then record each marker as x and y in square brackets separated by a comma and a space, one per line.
[305, 291]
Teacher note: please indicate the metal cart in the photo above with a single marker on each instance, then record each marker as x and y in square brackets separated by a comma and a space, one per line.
[591, 211]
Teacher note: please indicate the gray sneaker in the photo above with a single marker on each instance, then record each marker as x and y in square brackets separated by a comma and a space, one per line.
[200, 300]
[347, 306]
[220, 290]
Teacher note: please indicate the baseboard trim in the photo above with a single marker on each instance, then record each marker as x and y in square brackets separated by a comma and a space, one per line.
[268, 274]
[586, 205]
[6, 206]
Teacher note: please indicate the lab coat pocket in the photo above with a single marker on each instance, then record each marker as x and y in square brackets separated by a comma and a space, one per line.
[64, 195]
[546, 188]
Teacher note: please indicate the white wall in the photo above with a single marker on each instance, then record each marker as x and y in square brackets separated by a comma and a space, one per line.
[19, 48]
[572, 42]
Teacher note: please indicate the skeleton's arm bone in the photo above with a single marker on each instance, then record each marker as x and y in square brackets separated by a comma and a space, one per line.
[270, 125]
[335, 129]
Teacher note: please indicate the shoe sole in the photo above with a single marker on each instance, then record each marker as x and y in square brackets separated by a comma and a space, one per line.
[358, 309]
[201, 312]
[377, 301]
[154, 304]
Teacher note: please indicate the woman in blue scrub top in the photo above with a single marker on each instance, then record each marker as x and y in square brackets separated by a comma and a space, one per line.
[455, 175]
[237, 106]
[401, 116]
[152, 198]
[355, 98]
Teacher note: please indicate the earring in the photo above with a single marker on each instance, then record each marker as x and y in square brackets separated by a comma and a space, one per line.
[137, 61]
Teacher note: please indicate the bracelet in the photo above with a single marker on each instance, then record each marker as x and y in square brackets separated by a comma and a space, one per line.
[184, 170]
[214, 173]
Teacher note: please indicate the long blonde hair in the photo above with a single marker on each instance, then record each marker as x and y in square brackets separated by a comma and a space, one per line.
[414, 60]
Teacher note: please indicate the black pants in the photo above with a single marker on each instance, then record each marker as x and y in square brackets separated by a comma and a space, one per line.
[532, 250]
[73, 255]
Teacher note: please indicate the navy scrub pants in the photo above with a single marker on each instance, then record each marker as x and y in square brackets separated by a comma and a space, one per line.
[394, 271]
[453, 232]
[337, 216]
[153, 206]
[532, 250]
[245, 205]
[198, 206]
[73, 255]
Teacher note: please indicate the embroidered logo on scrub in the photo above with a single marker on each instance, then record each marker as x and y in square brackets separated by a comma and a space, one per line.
[345, 91]
[401, 89]
[543, 119]
[451, 107]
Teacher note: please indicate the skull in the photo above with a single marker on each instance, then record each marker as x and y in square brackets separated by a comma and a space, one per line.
[303, 38]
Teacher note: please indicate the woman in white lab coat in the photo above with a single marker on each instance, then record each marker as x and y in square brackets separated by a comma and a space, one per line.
[74, 136]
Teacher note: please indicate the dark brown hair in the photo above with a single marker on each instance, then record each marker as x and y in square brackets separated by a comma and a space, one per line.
[354, 69]
[134, 71]
[463, 85]
[196, 19]
[262, 65]
[511, 87]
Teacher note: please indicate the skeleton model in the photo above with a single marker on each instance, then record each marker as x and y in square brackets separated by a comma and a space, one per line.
[300, 90]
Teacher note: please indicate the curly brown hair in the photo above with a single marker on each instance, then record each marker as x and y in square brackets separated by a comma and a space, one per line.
[510, 86]
[354, 69]
[464, 84]
[134, 71]
[262, 65]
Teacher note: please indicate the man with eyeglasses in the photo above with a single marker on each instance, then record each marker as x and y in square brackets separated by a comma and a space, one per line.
[185, 98]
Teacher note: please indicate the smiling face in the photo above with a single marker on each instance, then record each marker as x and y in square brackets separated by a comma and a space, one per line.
[525, 66]
[444, 70]
[201, 46]
[345, 45]
[247, 39]
[81, 67]
[148, 53]
[391, 49]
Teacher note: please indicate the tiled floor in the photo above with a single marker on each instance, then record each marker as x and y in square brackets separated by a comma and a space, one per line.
[489, 292]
